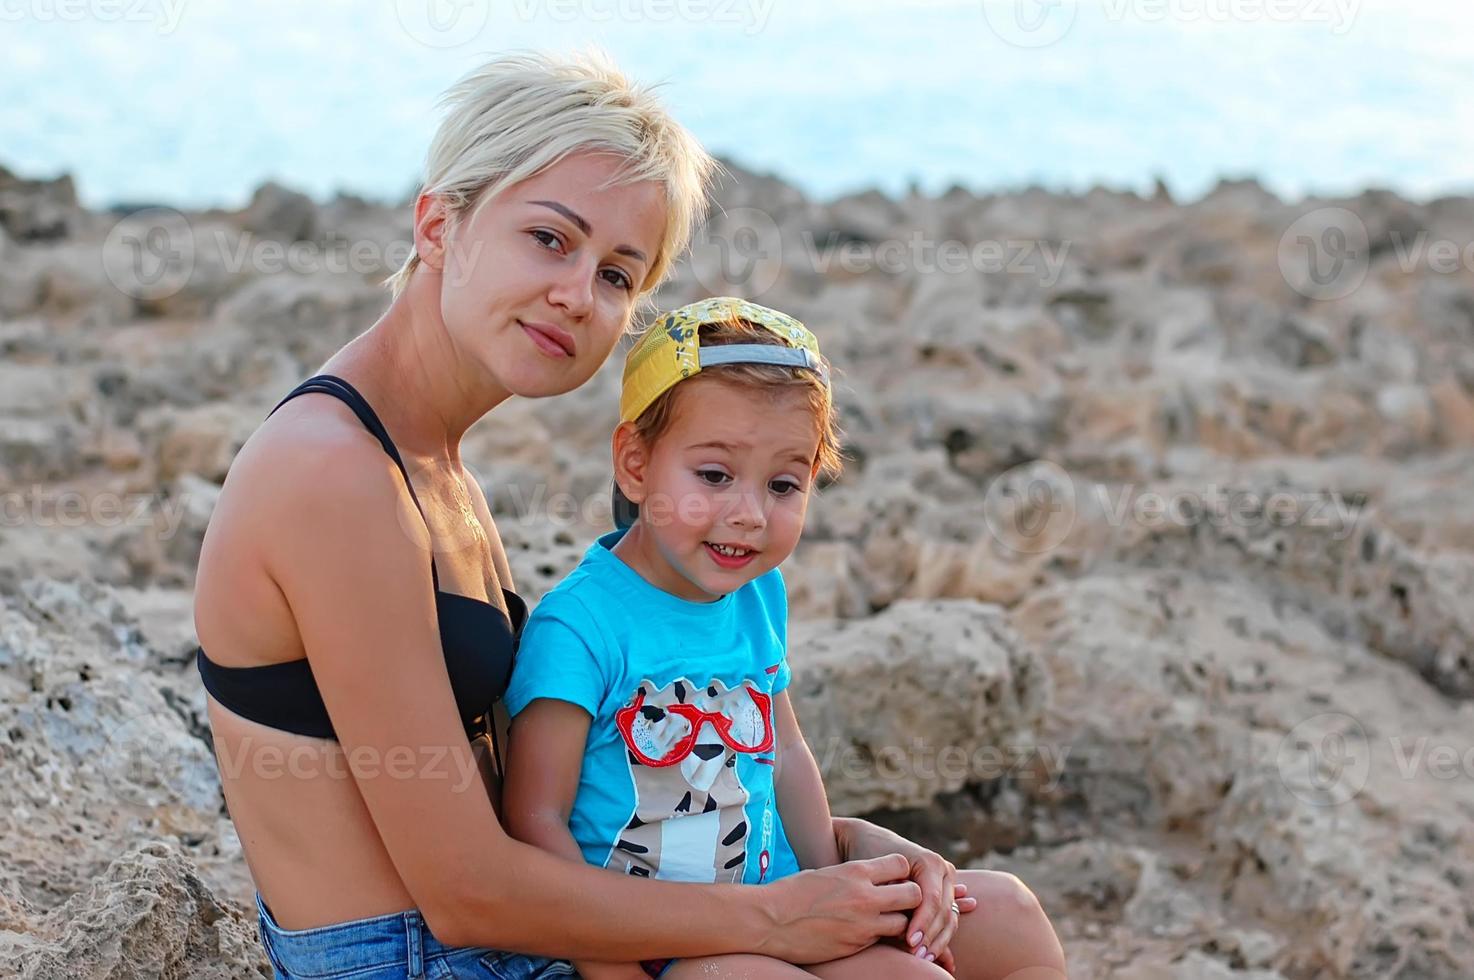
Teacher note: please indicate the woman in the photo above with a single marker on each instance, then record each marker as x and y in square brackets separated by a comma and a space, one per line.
[348, 537]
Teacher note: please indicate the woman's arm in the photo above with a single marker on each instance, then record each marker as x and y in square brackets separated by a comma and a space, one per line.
[544, 762]
[349, 551]
[799, 788]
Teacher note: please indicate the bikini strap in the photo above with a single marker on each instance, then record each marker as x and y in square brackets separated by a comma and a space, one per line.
[329, 384]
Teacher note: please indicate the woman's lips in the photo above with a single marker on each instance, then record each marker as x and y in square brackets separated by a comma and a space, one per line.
[551, 340]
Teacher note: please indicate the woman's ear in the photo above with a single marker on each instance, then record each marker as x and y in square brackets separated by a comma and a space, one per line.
[432, 223]
[631, 457]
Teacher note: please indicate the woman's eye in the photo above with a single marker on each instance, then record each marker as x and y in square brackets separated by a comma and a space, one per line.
[619, 280]
[546, 239]
[714, 478]
[783, 487]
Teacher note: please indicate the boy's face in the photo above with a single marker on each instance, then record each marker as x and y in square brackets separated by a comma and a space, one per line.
[723, 491]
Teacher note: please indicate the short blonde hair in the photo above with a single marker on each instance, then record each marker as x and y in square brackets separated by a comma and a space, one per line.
[521, 113]
[661, 413]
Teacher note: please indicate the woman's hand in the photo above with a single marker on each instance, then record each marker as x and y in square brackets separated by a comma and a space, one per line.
[930, 927]
[832, 912]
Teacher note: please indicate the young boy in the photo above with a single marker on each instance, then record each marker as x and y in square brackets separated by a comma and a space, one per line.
[652, 732]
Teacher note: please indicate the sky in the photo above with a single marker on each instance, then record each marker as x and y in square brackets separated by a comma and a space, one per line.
[197, 102]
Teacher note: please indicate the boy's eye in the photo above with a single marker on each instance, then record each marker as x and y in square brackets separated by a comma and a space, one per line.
[783, 487]
[714, 478]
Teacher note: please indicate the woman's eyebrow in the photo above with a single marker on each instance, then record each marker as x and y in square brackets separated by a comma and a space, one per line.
[588, 229]
[568, 213]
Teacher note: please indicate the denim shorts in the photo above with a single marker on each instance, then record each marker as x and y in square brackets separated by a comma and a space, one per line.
[397, 946]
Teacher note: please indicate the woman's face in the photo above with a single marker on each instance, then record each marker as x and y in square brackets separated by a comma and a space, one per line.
[541, 284]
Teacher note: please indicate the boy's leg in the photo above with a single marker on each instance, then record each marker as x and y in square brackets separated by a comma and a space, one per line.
[1008, 936]
[880, 962]
[737, 966]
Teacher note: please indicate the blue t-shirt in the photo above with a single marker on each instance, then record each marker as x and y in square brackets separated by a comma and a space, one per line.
[677, 779]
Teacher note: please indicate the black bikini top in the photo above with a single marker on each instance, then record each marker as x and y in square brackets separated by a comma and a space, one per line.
[479, 641]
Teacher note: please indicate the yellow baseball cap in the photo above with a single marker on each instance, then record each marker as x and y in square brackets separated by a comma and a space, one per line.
[670, 350]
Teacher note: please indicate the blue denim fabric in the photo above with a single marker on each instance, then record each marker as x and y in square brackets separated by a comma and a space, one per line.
[397, 946]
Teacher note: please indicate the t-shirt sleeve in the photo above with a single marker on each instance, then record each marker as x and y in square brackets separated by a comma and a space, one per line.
[561, 656]
[776, 602]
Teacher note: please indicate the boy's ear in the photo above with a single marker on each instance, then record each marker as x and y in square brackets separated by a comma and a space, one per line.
[630, 460]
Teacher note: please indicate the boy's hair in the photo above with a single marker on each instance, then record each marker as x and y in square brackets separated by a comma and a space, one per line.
[521, 113]
[653, 422]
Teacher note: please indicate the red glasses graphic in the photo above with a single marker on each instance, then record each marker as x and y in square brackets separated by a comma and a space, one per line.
[641, 741]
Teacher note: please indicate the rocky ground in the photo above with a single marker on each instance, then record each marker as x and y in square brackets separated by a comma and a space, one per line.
[1148, 579]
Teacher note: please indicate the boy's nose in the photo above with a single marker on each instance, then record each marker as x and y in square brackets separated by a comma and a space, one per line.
[746, 511]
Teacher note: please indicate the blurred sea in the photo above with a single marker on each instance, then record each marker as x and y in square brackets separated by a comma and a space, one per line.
[195, 102]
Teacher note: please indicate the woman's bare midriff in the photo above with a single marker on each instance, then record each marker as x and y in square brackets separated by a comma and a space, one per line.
[309, 842]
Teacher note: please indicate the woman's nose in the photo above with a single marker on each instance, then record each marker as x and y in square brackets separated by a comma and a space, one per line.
[574, 290]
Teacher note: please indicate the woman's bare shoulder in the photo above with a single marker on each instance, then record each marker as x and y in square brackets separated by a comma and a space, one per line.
[311, 466]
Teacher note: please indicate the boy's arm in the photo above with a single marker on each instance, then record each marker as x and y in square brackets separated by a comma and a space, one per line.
[544, 763]
[802, 803]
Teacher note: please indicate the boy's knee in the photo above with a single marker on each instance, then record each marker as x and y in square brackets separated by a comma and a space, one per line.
[1000, 892]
